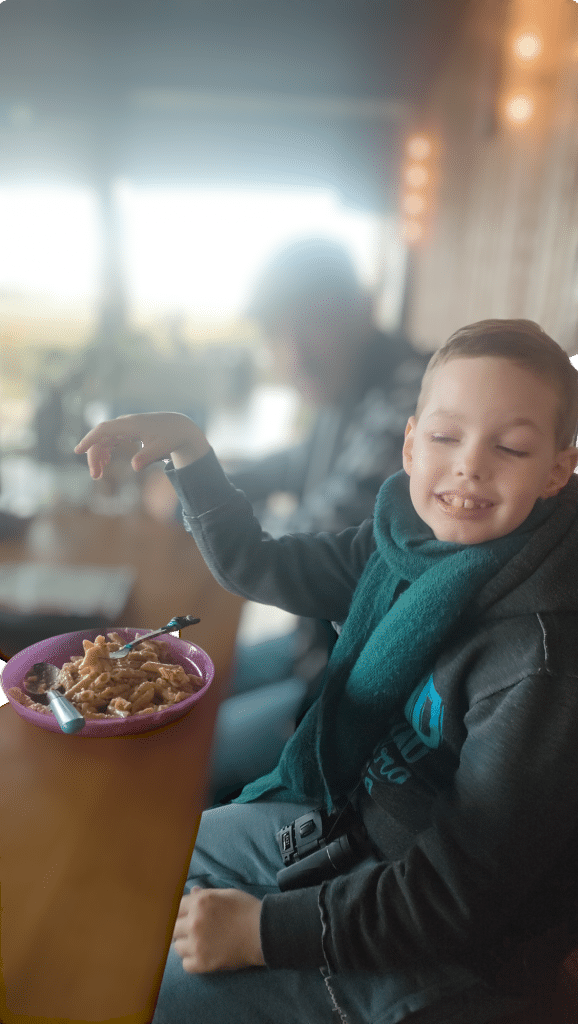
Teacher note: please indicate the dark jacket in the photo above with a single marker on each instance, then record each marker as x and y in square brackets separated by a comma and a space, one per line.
[472, 797]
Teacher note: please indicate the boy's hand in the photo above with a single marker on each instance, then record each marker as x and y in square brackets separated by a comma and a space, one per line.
[160, 433]
[218, 930]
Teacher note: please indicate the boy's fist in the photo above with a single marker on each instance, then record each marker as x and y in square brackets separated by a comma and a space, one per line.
[218, 930]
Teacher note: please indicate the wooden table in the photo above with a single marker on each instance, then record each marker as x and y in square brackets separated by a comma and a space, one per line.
[96, 835]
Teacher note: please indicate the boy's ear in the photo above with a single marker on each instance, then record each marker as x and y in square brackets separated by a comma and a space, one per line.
[407, 450]
[564, 465]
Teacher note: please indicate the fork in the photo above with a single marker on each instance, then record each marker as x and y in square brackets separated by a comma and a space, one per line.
[178, 622]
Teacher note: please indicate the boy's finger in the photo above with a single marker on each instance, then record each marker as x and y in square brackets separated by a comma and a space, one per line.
[110, 432]
[184, 904]
[102, 432]
[98, 457]
[180, 926]
[82, 446]
[98, 443]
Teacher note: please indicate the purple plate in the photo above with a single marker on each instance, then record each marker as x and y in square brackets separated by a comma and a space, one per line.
[59, 649]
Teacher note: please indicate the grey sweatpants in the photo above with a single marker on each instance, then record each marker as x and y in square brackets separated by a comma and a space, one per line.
[236, 848]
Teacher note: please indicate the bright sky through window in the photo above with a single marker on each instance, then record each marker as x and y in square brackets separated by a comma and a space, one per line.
[190, 251]
[199, 251]
[50, 242]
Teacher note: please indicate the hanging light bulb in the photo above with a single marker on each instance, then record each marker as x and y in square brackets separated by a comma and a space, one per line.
[418, 147]
[519, 108]
[413, 204]
[416, 176]
[419, 180]
[527, 45]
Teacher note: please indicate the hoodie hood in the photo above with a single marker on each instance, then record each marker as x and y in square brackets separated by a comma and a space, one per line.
[543, 576]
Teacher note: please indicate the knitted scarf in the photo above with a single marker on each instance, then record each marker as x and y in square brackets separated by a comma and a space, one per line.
[387, 644]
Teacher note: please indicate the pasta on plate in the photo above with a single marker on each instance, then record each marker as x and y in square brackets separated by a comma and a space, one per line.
[144, 681]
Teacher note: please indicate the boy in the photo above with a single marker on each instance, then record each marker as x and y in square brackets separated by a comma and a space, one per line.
[448, 718]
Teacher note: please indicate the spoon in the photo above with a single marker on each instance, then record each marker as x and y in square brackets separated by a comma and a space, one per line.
[41, 683]
[178, 622]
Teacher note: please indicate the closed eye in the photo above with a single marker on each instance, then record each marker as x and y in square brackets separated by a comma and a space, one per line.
[513, 451]
[444, 440]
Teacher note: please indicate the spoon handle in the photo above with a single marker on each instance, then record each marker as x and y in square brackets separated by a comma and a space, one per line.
[68, 717]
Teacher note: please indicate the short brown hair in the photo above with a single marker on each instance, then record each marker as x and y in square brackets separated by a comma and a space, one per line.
[522, 342]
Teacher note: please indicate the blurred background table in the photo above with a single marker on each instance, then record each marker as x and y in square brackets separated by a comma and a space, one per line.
[96, 835]
[170, 577]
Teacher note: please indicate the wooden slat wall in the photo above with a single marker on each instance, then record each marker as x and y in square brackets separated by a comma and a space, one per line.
[504, 240]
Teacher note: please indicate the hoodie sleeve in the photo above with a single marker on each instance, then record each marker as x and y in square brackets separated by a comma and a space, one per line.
[282, 471]
[307, 574]
[502, 838]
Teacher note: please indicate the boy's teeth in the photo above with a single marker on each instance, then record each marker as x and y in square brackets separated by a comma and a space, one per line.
[457, 502]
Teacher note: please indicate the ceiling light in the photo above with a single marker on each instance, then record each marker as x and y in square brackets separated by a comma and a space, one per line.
[418, 147]
[416, 176]
[527, 45]
[519, 108]
[414, 204]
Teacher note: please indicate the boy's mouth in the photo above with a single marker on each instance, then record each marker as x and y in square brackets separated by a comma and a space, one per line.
[459, 501]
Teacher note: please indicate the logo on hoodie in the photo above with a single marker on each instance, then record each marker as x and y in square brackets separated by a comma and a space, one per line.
[409, 740]
[425, 711]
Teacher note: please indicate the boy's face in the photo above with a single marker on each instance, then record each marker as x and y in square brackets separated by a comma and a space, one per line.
[483, 450]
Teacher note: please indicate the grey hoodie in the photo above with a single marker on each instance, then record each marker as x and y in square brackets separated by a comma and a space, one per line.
[471, 799]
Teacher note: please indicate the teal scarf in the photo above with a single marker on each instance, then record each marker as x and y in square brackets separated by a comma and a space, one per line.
[387, 645]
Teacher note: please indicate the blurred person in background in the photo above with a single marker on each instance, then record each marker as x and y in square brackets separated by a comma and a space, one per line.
[48, 415]
[318, 321]
[48, 423]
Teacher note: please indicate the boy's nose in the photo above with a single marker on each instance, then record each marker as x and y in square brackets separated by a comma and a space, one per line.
[472, 464]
